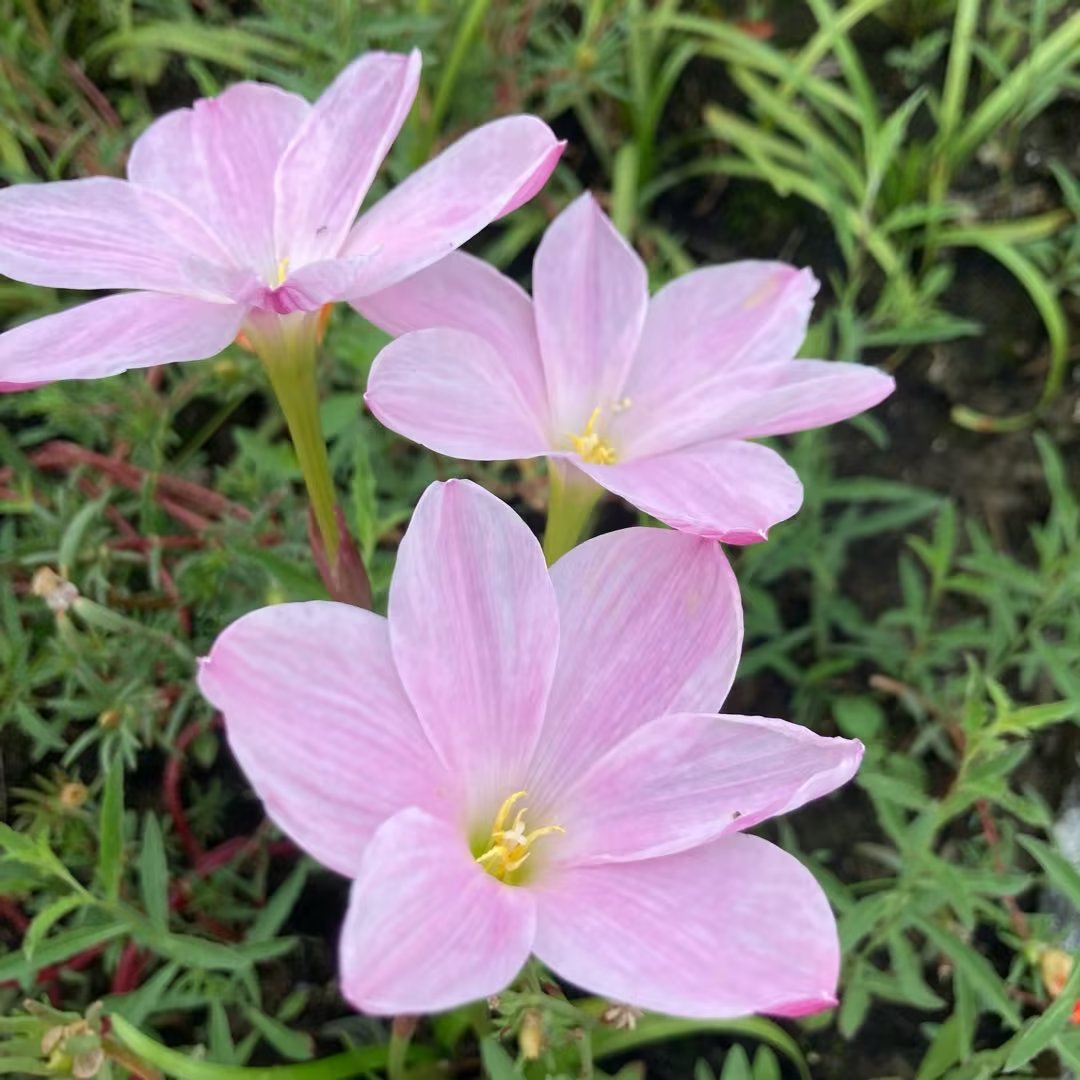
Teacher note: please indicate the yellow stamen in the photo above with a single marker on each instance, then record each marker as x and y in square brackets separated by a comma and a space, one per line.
[282, 271]
[591, 446]
[507, 849]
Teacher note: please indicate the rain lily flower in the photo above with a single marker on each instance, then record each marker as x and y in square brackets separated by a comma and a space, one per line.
[238, 214]
[524, 761]
[655, 400]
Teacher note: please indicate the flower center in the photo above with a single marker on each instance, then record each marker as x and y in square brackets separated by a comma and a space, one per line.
[591, 446]
[508, 848]
[282, 272]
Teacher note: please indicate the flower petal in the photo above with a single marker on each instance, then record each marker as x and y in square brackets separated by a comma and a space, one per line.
[683, 780]
[735, 927]
[778, 399]
[452, 392]
[103, 233]
[723, 490]
[591, 291]
[317, 717]
[427, 929]
[475, 630]
[704, 333]
[650, 623]
[462, 292]
[482, 176]
[104, 337]
[219, 158]
[330, 164]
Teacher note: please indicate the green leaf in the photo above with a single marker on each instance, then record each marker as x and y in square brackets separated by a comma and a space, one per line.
[295, 1045]
[48, 917]
[272, 917]
[973, 967]
[111, 830]
[58, 948]
[498, 1064]
[736, 1065]
[154, 874]
[1037, 1035]
[1062, 874]
[181, 1066]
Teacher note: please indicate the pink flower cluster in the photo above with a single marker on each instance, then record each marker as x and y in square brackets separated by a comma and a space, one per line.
[516, 760]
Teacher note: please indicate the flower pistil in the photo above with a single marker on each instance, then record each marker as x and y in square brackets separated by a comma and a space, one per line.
[508, 848]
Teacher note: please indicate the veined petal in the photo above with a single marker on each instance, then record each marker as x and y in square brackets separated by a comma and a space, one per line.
[686, 779]
[330, 164]
[724, 490]
[427, 929]
[219, 158]
[705, 333]
[319, 722]
[731, 928]
[103, 233]
[462, 292]
[778, 399]
[591, 290]
[475, 631]
[107, 336]
[481, 177]
[650, 623]
[452, 392]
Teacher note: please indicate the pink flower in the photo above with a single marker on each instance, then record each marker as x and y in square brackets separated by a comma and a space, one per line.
[241, 210]
[520, 761]
[655, 400]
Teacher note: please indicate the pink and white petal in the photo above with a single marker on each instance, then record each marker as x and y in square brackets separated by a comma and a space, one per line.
[704, 334]
[427, 929]
[107, 336]
[219, 159]
[475, 632]
[330, 164]
[318, 720]
[732, 928]
[462, 292]
[650, 623]
[481, 177]
[687, 779]
[723, 490]
[782, 398]
[103, 233]
[453, 393]
[591, 291]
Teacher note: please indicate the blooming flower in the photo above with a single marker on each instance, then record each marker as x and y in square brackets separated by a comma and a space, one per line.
[239, 212]
[655, 400]
[518, 761]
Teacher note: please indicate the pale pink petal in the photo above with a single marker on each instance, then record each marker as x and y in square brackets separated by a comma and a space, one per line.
[705, 332]
[104, 337]
[731, 928]
[103, 233]
[317, 717]
[219, 158]
[330, 164]
[685, 779]
[427, 929]
[591, 290]
[723, 490]
[452, 392]
[778, 399]
[462, 292]
[475, 631]
[482, 176]
[650, 623]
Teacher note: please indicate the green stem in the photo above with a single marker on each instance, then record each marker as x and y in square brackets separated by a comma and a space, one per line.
[401, 1033]
[287, 350]
[571, 498]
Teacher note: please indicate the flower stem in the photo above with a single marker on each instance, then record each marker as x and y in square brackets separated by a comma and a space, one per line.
[401, 1033]
[571, 498]
[288, 353]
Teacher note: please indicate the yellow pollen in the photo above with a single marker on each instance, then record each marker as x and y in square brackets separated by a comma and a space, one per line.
[508, 848]
[282, 271]
[591, 446]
